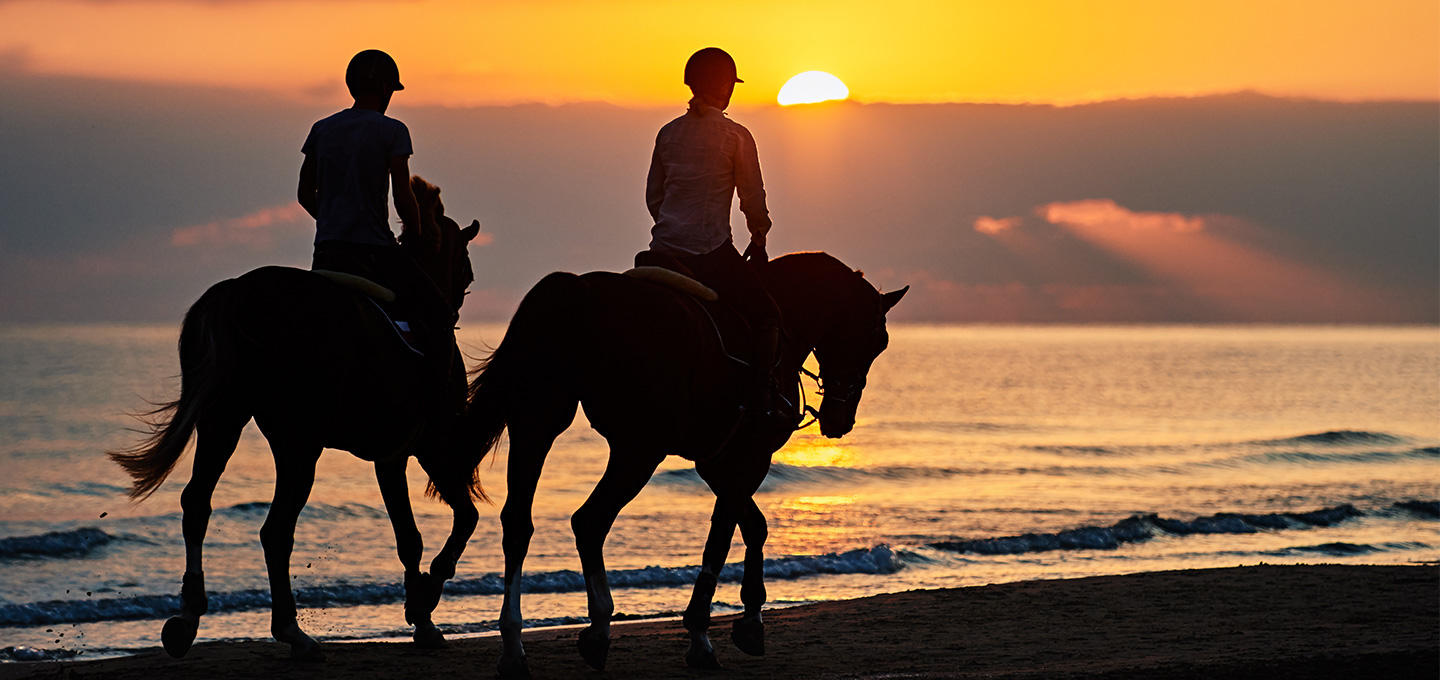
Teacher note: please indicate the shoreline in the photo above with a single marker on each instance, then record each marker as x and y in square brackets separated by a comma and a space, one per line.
[1318, 621]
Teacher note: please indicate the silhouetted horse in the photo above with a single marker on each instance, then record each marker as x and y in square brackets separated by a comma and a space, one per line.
[316, 365]
[654, 378]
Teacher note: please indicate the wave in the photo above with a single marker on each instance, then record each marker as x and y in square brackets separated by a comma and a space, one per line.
[1337, 438]
[782, 474]
[322, 511]
[877, 560]
[73, 543]
[1347, 549]
[1141, 528]
[1306, 457]
[27, 653]
[1427, 509]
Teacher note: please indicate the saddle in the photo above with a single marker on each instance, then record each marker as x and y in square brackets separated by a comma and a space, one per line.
[731, 327]
[381, 297]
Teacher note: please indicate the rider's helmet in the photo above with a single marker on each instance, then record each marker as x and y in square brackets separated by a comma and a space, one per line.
[709, 67]
[372, 71]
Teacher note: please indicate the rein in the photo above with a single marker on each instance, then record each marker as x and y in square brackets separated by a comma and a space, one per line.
[806, 408]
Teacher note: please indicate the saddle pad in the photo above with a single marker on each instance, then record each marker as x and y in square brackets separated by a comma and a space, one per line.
[358, 284]
[675, 280]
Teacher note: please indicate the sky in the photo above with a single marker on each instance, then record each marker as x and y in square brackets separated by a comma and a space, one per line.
[1268, 162]
[459, 53]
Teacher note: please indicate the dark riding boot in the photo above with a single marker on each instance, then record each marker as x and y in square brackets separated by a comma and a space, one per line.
[446, 371]
[766, 402]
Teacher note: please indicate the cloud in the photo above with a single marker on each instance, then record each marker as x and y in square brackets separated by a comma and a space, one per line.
[1234, 279]
[933, 299]
[1106, 213]
[990, 225]
[255, 230]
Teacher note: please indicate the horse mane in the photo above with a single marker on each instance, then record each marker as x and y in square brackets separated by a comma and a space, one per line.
[817, 262]
[427, 195]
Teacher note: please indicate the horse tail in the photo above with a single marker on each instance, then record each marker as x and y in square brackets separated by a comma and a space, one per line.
[206, 358]
[531, 354]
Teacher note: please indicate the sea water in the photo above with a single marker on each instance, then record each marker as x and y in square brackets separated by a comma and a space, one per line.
[982, 454]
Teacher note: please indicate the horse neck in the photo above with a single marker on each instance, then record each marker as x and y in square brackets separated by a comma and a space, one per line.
[811, 300]
[433, 266]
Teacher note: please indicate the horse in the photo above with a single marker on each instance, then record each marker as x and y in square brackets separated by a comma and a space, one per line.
[316, 365]
[655, 379]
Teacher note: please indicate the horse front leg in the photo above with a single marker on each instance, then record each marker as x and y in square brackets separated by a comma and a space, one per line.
[443, 567]
[466, 517]
[294, 477]
[421, 595]
[701, 653]
[748, 633]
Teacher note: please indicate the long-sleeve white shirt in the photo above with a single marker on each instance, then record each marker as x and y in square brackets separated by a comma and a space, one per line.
[701, 160]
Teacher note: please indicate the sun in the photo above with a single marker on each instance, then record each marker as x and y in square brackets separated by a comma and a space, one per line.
[811, 87]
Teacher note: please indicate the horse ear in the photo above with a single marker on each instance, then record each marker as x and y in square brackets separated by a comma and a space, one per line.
[471, 231]
[888, 300]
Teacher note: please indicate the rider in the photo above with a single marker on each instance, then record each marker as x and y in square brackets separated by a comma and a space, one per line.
[351, 159]
[701, 160]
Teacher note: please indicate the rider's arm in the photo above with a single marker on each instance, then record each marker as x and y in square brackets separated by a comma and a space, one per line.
[751, 189]
[405, 205]
[308, 190]
[655, 184]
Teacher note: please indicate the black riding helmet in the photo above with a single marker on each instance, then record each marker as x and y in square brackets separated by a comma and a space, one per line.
[711, 65]
[371, 71]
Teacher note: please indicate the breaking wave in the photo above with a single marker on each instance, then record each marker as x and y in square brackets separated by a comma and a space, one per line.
[1338, 438]
[1141, 528]
[73, 543]
[876, 560]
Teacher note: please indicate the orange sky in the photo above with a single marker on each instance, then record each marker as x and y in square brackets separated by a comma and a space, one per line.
[630, 52]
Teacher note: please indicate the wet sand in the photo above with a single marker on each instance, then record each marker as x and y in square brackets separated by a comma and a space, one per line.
[1246, 622]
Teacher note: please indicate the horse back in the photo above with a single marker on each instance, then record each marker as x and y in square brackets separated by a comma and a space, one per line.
[312, 358]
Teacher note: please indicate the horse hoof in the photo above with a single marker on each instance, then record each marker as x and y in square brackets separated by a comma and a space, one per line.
[748, 634]
[702, 659]
[422, 596]
[310, 653]
[594, 647]
[511, 668]
[427, 636]
[177, 635]
[302, 647]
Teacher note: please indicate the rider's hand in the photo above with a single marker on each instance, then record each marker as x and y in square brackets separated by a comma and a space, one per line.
[429, 239]
[756, 251]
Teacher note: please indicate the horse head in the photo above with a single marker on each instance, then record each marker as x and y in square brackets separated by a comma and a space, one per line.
[448, 265]
[843, 316]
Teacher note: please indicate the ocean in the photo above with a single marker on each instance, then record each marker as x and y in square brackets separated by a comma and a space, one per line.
[982, 454]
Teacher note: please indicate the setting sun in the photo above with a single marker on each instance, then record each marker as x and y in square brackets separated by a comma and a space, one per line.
[811, 87]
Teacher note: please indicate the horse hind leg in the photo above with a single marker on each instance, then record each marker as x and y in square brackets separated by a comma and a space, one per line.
[294, 477]
[625, 475]
[527, 456]
[217, 434]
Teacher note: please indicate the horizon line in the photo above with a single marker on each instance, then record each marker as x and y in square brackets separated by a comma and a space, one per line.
[302, 98]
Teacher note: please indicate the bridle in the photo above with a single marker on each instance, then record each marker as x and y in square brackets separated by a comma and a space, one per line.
[852, 387]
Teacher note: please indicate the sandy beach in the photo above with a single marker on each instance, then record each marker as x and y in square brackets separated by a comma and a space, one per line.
[1249, 622]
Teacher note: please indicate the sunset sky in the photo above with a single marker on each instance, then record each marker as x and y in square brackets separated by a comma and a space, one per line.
[1013, 161]
[455, 52]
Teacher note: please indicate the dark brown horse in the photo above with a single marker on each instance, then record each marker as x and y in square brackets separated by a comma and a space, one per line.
[315, 365]
[655, 380]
